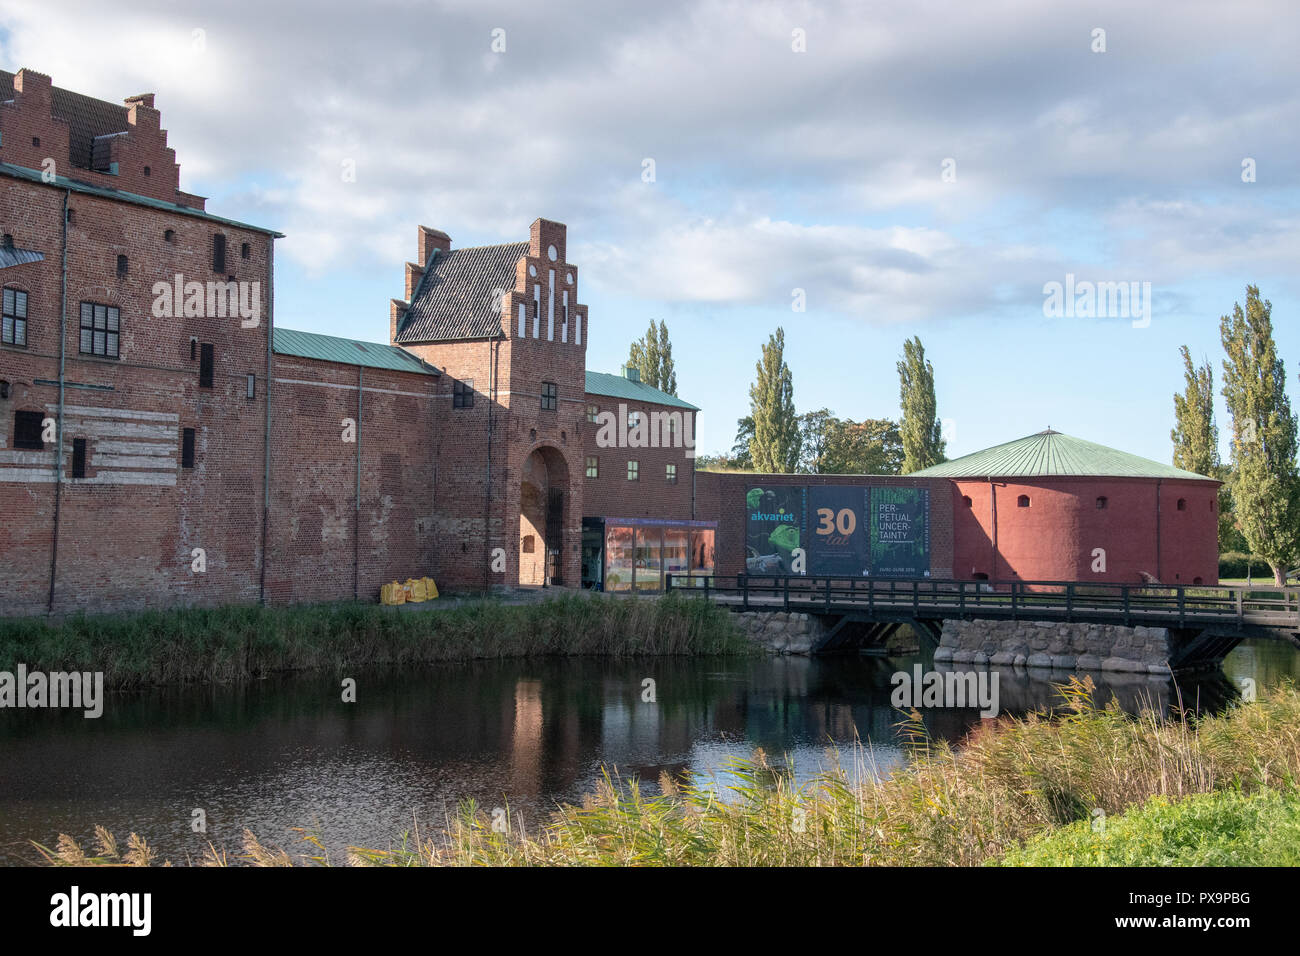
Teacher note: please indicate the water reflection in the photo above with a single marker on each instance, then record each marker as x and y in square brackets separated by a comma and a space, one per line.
[279, 754]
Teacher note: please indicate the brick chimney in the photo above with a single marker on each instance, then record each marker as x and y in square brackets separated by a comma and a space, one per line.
[429, 240]
[396, 312]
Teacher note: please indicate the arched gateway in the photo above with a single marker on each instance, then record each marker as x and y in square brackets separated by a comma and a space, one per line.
[543, 495]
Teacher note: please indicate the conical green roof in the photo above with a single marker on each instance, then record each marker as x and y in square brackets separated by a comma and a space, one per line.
[1050, 454]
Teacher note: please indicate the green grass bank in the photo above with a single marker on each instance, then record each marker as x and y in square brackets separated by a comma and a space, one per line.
[230, 644]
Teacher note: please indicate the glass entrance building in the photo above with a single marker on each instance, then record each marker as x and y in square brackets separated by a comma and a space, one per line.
[632, 555]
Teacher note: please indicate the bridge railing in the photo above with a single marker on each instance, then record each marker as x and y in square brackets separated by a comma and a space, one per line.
[1175, 605]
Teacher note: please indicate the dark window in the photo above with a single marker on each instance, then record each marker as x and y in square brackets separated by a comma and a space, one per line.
[194, 349]
[1101, 503]
[462, 395]
[36, 141]
[593, 466]
[100, 328]
[205, 365]
[169, 235]
[550, 396]
[187, 448]
[27, 430]
[1022, 501]
[72, 216]
[78, 458]
[15, 317]
[243, 251]
[122, 265]
[1182, 504]
[147, 170]
[218, 252]
[252, 385]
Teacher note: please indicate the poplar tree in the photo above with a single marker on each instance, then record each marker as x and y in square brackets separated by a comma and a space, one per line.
[1265, 490]
[1195, 436]
[776, 442]
[922, 435]
[652, 356]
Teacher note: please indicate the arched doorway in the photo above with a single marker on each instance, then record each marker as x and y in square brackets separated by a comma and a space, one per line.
[543, 490]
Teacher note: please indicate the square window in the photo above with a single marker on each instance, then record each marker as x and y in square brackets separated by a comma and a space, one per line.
[463, 394]
[593, 466]
[27, 430]
[550, 396]
[633, 470]
[100, 325]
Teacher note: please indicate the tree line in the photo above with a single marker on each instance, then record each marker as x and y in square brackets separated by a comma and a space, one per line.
[1259, 500]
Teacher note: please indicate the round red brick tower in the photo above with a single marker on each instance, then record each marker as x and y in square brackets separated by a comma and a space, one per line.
[1050, 507]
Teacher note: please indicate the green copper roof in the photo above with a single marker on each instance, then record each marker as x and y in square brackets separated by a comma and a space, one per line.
[615, 386]
[1048, 454]
[329, 348]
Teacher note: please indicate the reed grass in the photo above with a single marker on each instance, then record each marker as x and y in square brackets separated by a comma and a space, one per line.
[231, 644]
[1012, 781]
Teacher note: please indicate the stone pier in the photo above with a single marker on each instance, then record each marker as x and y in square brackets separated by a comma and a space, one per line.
[1105, 647]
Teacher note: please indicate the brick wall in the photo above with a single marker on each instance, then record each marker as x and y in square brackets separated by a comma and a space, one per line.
[651, 495]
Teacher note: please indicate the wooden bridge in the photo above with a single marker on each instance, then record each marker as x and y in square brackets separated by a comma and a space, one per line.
[1205, 622]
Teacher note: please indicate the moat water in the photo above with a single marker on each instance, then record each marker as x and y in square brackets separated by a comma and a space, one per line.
[275, 755]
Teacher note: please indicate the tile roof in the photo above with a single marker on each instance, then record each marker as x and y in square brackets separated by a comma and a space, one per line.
[330, 348]
[454, 298]
[615, 386]
[1050, 454]
[86, 117]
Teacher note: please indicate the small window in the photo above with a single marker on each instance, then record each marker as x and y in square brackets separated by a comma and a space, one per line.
[252, 385]
[206, 357]
[15, 317]
[100, 329]
[27, 430]
[633, 471]
[1022, 501]
[463, 394]
[550, 396]
[965, 499]
[187, 448]
[1182, 504]
[194, 349]
[36, 141]
[169, 235]
[218, 252]
[243, 251]
[633, 419]
[78, 458]
[72, 216]
[123, 266]
[592, 412]
[670, 474]
[527, 545]
[147, 170]
[1101, 502]
[593, 466]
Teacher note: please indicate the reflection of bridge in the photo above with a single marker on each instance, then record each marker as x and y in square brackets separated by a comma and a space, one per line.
[1205, 623]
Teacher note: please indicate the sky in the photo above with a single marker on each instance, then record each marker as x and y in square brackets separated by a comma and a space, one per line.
[896, 168]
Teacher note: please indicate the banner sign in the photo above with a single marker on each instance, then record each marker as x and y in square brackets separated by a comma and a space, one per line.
[844, 530]
[900, 531]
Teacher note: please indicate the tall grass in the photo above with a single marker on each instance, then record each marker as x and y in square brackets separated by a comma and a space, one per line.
[1013, 780]
[240, 643]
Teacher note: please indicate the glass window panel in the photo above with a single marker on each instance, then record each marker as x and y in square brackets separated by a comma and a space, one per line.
[112, 344]
[112, 320]
[20, 332]
[649, 559]
[99, 343]
[619, 557]
[87, 314]
[20, 301]
[8, 329]
[101, 316]
[85, 340]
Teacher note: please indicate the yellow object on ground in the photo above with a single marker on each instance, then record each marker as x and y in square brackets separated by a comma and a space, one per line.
[392, 594]
[430, 589]
[415, 593]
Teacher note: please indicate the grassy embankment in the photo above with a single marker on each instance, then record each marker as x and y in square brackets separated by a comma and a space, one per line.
[1220, 789]
[244, 643]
